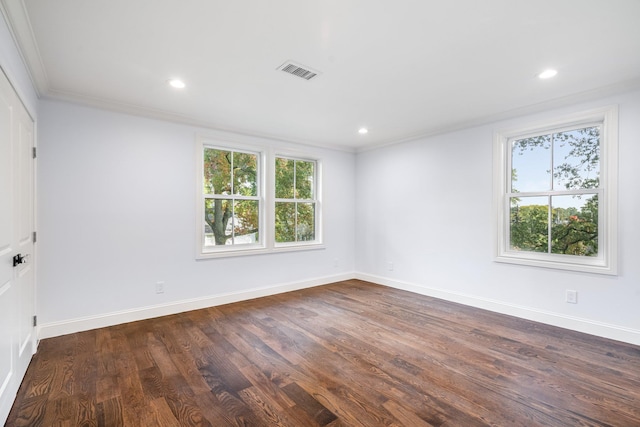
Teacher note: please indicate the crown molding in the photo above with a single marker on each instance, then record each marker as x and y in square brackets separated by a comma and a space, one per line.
[17, 19]
[586, 96]
[168, 116]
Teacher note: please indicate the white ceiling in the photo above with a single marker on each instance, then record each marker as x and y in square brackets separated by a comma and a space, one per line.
[401, 68]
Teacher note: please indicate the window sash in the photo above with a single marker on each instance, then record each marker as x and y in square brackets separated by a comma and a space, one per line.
[296, 201]
[549, 195]
[232, 245]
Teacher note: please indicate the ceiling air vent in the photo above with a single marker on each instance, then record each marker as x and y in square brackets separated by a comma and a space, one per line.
[298, 70]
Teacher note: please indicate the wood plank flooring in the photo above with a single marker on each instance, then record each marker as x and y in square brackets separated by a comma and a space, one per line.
[346, 354]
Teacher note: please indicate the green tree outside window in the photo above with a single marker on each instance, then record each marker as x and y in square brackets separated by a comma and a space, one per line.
[231, 191]
[295, 205]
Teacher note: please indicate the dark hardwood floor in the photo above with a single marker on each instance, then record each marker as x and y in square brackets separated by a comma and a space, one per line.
[346, 354]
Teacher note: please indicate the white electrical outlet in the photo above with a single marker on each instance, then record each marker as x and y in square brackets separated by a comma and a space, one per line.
[159, 287]
[390, 266]
[572, 297]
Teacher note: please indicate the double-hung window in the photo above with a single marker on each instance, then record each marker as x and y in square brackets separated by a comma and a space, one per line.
[251, 200]
[231, 199]
[295, 200]
[556, 193]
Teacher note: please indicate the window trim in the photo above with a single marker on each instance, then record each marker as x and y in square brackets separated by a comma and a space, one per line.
[606, 261]
[266, 173]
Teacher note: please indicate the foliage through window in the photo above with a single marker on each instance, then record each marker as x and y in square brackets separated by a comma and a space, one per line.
[295, 203]
[557, 193]
[555, 182]
[251, 200]
[231, 197]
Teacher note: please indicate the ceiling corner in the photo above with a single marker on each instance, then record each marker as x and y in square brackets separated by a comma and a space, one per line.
[15, 14]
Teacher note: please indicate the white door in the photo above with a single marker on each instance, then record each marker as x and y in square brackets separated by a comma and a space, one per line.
[24, 227]
[17, 307]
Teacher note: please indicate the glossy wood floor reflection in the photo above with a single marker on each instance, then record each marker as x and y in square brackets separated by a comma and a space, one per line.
[346, 354]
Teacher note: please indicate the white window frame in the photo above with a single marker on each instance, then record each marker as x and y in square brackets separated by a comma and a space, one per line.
[266, 192]
[317, 200]
[606, 261]
[204, 251]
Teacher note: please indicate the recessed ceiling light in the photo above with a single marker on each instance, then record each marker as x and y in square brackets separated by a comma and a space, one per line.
[177, 83]
[547, 74]
[363, 131]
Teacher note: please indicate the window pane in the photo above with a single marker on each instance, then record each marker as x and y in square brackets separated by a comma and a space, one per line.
[245, 221]
[575, 225]
[304, 179]
[284, 178]
[529, 224]
[217, 171]
[245, 167]
[217, 216]
[306, 222]
[531, 164]
[285, 222]
[576, 159]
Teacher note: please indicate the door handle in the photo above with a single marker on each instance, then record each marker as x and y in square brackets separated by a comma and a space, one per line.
[19, 259]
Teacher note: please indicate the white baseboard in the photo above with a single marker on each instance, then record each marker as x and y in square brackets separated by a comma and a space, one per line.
[615, 332]
[601, 329]
[54, 329]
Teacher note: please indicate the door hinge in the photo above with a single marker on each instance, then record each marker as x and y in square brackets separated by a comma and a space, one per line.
[34, 153]
[34, 237]
[35, 321]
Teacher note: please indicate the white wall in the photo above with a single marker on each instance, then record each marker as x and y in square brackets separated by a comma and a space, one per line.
[426, 206]
[117, 212]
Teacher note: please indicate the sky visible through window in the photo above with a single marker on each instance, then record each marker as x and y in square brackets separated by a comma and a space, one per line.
[532, 166]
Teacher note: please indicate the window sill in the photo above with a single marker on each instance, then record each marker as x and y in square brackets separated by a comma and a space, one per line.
[228, 253]
[559, 262]
[292, 247]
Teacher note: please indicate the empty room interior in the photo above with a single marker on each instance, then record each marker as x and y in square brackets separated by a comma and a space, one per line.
[297, 213]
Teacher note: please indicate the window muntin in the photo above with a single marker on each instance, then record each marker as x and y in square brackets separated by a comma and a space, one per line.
[232, 202]
[295, 200]
[556, 193]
